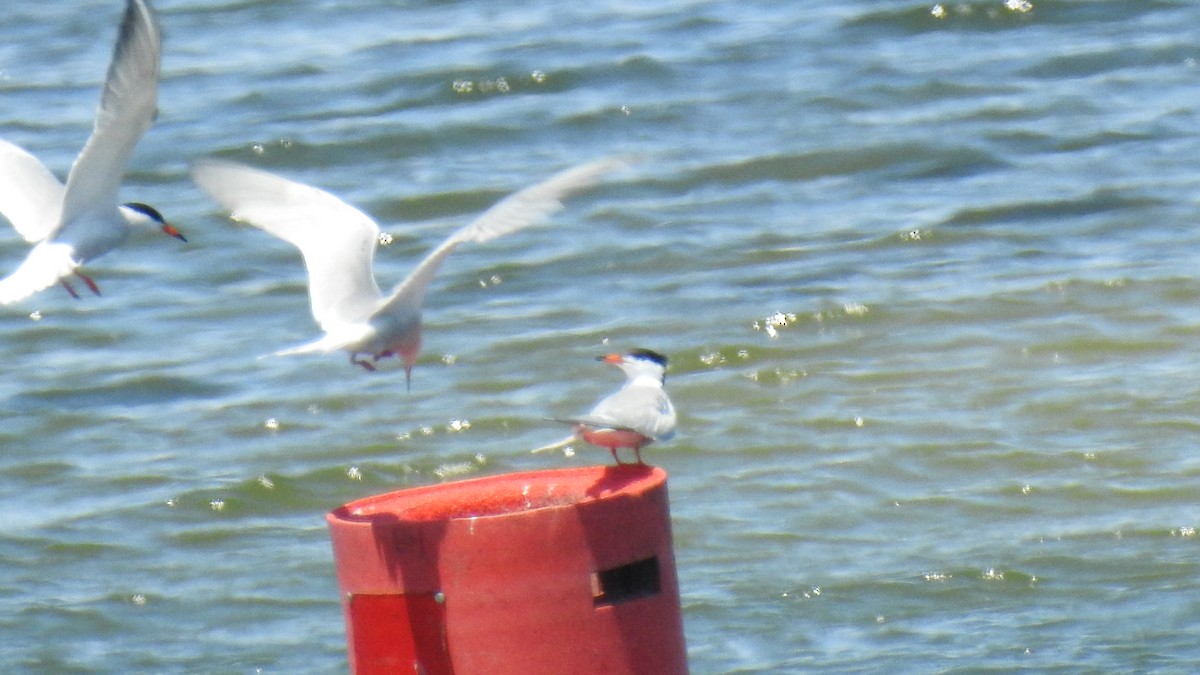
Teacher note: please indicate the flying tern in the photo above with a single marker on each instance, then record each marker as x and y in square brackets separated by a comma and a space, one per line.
[73, 224]
[338, 241]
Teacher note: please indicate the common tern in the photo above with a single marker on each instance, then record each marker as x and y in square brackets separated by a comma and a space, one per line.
[338, 241]
[73, 224]
[637, 414]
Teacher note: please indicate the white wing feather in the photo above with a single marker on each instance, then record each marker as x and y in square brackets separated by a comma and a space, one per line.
[30, 196]
[519, 210]
[128, 106]
[337, 240]
[46, 263]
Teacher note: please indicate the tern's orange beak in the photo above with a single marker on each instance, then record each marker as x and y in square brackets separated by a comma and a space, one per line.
[612, 358]
[168, 228]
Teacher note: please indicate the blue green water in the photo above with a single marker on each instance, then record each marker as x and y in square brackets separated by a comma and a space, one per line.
[927, 278]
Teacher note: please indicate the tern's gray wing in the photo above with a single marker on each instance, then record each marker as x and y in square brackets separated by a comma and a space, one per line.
[127, 109]
[30, 196]
[646, 410]
[337, 240]
[522, 209]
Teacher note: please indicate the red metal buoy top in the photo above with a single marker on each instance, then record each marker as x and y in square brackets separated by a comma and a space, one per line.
[508, 493]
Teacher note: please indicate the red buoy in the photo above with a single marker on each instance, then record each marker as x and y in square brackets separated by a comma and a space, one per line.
[560, 571]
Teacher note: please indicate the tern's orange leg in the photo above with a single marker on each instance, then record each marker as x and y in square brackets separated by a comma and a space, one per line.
[70, 290]
[88, 280]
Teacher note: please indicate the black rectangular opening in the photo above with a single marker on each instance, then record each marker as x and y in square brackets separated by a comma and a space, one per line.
[639, 579]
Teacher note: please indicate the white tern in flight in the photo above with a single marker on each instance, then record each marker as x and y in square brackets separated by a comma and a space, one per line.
[73, 224]
[338, 241]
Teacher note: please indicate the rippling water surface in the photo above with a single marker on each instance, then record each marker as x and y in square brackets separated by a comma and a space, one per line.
[927, 276]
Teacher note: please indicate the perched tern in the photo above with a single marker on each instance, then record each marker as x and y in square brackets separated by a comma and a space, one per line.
[637, 414]
[338, 241]
[72, 224]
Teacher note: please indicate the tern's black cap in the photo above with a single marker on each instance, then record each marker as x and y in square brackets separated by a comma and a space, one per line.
[649, 355]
